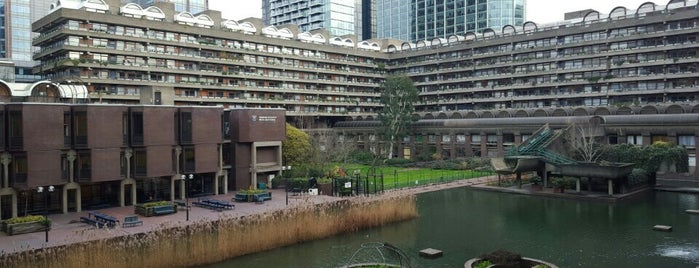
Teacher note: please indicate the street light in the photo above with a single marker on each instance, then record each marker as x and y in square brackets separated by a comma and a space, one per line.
[186, 192]
[40, 190]
[286, 190]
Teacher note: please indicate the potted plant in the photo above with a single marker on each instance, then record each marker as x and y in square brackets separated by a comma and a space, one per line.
[558, 184]
[561, 183]
[536, 183]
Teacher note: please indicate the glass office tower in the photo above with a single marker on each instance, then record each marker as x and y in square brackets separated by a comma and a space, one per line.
[16, 35]
[427, 19]
[337, 16]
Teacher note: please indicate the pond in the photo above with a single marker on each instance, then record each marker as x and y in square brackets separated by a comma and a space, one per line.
[465, 223]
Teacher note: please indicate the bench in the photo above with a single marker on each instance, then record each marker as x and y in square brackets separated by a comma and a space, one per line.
[181, 204]
[131, 221]
[92, 222]
[259, 200]
[163, 210]
[240, 197]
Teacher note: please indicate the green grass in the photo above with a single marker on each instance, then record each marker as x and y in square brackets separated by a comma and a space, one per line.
[399, 177]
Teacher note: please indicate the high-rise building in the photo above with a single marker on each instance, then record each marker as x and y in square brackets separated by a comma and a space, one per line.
[191, 6]
[16, 35]
[425, 19]
[337, 16]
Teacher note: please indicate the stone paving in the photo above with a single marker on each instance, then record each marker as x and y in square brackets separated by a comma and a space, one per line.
[67, 228]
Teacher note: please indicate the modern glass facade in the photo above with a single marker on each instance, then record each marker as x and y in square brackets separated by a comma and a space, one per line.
[337, 16]
[393, 19]
[17, 16]
[428, 19]
[191, 6]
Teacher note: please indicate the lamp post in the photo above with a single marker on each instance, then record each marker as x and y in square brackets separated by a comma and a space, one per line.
[286, 187]
[186, 192]
[46, 192]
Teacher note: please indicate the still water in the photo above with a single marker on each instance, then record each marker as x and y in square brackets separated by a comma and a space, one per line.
[465, 223]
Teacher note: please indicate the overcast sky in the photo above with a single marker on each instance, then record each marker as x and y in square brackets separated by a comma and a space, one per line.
[539, 11]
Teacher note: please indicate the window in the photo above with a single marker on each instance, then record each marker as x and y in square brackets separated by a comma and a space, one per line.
[84, 165]
[634, 139]
[15, 130]
[188, 159]
[476, 139]
[80, 128]
[140, 162]
[446, 139]
[461, 138]
[19, 168]
[137, 128]
[686, 140]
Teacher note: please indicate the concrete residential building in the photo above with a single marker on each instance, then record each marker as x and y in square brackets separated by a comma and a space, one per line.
[633, 71]
[339, 17]
[426, 20]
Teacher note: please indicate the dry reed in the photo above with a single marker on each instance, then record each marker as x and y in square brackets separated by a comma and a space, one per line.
[209, 241]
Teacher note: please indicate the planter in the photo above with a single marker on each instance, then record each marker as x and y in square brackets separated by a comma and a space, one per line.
[23, 228]
[248, 197]
[150, 211]
[537, 187]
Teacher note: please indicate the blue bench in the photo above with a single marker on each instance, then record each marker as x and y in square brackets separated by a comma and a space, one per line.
[240, 197]
[92, 222]
[163, 210]
[131, 221]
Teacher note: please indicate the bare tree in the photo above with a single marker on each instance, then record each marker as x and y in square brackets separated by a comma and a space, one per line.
[586, 141]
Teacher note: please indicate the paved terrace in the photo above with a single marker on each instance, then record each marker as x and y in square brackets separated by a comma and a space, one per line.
[67, 228]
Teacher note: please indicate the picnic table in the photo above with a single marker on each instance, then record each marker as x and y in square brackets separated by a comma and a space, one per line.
[214, 204]
[99, 219]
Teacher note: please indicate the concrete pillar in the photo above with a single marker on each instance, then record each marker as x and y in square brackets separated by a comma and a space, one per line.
[546, 179]
[500, 145]
[577, 184]
[225, 182]
[484, 144]
[71, 156]
[467, 147]
[6, 159]
[438, 144]
[610, 187]
[646, 138]
[518, 137]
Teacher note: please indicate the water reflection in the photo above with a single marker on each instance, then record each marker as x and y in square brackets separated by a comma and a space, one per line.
[465, 223]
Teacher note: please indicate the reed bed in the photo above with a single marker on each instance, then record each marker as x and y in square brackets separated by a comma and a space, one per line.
[209, 241]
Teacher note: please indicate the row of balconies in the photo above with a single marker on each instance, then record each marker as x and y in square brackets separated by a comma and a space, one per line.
[197, 45]
[608, 53]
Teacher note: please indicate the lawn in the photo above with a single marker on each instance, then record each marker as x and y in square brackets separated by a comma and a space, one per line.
[399, 177]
